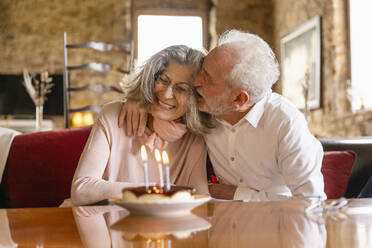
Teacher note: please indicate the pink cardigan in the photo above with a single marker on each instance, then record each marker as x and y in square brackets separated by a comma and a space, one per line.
[111, 161]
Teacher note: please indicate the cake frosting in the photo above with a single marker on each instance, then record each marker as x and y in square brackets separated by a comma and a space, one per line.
[155, 194]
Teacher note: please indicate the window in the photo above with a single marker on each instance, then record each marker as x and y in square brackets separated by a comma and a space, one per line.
[361, 53]
[155, 32]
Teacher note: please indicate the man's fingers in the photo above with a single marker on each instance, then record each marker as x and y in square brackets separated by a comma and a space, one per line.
[135, 121]
[132, 118]
[129, 123]
[142, 123]
[122, 115]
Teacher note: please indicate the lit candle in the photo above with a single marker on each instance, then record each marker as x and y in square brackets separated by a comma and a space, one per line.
[166, 163]
[145, 170]
[158, 159]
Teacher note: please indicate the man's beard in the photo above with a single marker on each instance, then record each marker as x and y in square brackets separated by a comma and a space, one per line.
[217, 106]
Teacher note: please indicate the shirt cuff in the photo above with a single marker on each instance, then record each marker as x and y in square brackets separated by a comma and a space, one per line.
[249, 194]
[245, 194]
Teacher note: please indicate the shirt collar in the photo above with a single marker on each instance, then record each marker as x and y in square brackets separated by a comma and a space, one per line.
[256, 112]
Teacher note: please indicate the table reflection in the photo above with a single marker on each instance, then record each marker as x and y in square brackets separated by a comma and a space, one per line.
[266, 224]
[226, 224]
[167, 232]
[355, 230]
[109, 227]
[93, 225]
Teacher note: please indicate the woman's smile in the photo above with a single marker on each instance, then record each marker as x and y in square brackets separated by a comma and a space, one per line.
[166, 106]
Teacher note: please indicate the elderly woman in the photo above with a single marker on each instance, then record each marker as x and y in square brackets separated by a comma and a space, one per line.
[111, 160]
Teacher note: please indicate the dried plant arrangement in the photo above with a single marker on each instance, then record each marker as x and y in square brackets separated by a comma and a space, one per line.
[37, 89]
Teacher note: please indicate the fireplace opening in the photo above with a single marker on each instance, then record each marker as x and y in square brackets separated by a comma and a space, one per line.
[15, 101]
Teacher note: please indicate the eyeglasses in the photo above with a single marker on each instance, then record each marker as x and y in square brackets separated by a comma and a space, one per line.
[180, 88]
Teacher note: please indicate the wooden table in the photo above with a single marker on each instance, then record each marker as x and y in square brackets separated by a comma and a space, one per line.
[219, 224]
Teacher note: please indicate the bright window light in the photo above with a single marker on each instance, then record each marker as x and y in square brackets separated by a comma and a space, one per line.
[361, 53]
[157, 32]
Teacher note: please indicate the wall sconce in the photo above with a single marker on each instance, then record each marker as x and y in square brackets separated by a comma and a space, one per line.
[80, 119]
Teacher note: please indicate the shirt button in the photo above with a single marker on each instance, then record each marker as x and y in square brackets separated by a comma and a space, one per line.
[233, 130]
[240, 180]
[232, 158]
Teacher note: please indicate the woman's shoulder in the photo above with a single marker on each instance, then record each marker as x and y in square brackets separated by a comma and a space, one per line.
[109, 114]
[111, 109]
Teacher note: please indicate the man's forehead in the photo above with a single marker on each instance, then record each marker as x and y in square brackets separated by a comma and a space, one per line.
[220, 58]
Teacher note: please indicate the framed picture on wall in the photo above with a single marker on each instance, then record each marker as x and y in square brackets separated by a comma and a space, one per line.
[300, 56]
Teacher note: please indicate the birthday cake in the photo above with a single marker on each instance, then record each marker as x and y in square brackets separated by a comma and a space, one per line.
[156, 194]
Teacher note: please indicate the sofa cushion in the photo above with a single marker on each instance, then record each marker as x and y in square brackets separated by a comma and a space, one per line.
[40, 167]
[336, 169]
[362, 168]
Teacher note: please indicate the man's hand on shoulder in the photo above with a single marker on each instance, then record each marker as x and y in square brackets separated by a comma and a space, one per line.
[222, 191]
[133, 118]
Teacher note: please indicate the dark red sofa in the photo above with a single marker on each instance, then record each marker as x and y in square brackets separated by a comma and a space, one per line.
[40, 168]
[41, 165]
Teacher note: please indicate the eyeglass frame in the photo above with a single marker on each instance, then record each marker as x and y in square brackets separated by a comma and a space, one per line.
[175, 88]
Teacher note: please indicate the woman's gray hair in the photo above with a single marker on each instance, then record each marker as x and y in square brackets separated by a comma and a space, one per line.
[256, 69]
[139, 86]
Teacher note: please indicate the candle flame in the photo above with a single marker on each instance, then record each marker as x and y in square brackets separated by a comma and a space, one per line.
[143, 153]
[165, 157]
[157, 156]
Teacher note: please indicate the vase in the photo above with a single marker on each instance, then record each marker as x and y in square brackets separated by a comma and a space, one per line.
[39, 117]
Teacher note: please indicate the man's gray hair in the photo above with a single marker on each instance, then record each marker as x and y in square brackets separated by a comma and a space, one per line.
[256, 69]
[139, 86]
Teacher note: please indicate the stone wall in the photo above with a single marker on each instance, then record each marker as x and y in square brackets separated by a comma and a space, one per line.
[255, 16]
[32, 30]
[170, 4]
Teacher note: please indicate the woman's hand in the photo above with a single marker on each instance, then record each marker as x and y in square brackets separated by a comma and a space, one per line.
[133, 117]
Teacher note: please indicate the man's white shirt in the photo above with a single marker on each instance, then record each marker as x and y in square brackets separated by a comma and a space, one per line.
[269, 154]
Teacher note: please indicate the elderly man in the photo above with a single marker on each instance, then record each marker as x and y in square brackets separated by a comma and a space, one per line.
[261, 148]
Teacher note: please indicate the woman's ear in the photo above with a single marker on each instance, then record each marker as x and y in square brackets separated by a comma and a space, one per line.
[240, 99]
